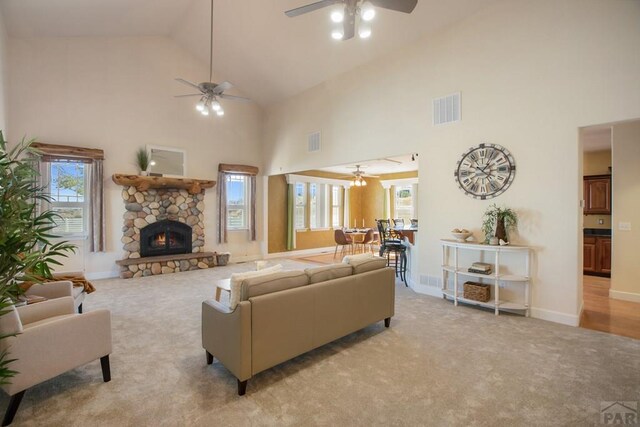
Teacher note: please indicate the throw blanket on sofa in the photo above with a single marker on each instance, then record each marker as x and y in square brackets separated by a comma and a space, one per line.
[76, 280]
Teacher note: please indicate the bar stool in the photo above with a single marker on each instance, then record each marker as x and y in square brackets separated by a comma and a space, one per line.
[389, 244]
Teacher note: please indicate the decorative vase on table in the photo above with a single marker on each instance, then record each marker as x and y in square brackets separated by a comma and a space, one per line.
[501, 230]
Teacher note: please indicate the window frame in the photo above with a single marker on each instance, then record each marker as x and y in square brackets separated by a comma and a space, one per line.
[244, 207]
[319, 207]
[303, 206]
[396, 189]
[84, 205]
[336, 197]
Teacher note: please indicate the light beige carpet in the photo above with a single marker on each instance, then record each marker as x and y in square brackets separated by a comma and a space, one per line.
[436, 365]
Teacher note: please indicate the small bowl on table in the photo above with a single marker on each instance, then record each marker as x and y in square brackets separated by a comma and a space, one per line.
[462, 236]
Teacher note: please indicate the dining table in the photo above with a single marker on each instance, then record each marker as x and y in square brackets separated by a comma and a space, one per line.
[357, 235]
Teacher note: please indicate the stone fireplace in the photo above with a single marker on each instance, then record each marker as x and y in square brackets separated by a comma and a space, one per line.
[163, 231]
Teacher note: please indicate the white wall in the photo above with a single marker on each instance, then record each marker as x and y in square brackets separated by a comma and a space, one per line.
[626, 209]
[117, 94]
[3, 76]
[531, 74]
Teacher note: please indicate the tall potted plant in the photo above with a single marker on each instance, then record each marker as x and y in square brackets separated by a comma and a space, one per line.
[498, 221]
[26, 249]
[143, 161]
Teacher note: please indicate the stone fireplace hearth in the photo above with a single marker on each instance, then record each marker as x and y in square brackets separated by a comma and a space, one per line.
[163, 232]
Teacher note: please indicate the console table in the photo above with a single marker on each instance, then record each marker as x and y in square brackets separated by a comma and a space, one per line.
[453, 271]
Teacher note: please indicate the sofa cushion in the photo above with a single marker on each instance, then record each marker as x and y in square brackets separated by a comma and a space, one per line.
[350, 258]
[328, 272]
[364, 265]
[237, 278]
[274, 282]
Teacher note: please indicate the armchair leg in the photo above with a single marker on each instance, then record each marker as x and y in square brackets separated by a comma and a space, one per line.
[242, 387]
[14, 403]
[106, 368]
[209, 357]
[387, 322]
[80, 309]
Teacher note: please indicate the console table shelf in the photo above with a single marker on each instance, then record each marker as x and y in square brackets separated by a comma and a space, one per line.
[143, 183]
[451, 269]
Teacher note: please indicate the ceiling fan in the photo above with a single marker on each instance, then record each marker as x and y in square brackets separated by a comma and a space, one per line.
[358, 176]
[210, 92]
[345, 13]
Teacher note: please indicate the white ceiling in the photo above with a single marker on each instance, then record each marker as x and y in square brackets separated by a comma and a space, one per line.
[265, 54]
[596, 138]
[378, 166]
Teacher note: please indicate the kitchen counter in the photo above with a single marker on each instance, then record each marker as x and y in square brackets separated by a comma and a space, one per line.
[597, 232]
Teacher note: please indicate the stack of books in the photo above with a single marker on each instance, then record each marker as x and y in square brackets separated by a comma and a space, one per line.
[481, 267]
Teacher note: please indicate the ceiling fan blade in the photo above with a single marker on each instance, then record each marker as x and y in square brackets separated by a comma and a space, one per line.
[234, 98]
[405, 6]
[191, 94]
[370, 176]
[188, 83]
[222, 87]
[310, 8]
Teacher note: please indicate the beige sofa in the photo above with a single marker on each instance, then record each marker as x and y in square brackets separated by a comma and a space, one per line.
[285, 314]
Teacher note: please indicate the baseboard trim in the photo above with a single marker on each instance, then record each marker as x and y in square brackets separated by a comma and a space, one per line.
[626, 296]
[538, 313]
[245, 258]
[434, 291]
[301, 252]
[102, 275]
[555, 316]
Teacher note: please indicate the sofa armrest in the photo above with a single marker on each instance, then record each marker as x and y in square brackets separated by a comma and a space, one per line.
[45, 309]
[226, 335]
[52, 348]
[51, 290]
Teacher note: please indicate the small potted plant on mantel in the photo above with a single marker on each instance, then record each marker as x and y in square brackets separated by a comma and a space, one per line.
[497, 222]
[143, 161]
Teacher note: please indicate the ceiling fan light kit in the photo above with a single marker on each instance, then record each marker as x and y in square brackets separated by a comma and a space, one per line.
[346, 13]
[210, 92]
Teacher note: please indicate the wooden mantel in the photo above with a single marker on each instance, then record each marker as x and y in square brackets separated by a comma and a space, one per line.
[143, 183]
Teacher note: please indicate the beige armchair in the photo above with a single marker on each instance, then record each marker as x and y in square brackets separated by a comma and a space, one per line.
[50, 339]
[64, 288]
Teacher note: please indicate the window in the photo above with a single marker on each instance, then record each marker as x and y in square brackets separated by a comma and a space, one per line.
[237, 207]
[300, 207]
[336, 206]
[404, 203]
[68, 184]
[319, 205]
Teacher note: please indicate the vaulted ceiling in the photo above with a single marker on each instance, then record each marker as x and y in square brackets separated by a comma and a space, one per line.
[265, 54]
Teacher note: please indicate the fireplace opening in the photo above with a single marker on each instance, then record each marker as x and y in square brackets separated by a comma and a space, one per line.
[165, 238]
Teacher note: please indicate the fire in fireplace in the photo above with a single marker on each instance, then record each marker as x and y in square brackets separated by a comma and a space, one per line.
[165, 238]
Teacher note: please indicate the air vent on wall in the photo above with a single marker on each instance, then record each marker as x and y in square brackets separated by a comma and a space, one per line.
[314, 142]
[446, 109]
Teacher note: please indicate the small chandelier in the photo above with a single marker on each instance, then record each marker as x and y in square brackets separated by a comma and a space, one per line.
[358, 181]
[365, 12]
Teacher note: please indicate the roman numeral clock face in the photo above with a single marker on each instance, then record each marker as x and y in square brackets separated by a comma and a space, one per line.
[485, 171]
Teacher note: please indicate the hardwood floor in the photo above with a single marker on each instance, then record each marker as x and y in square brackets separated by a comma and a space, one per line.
[602, 313]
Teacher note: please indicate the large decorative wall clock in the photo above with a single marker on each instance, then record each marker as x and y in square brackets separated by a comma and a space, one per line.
[485, 171]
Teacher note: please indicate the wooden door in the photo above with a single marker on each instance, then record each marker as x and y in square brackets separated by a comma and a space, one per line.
[597, 195]
[603, 251]
[589, 255]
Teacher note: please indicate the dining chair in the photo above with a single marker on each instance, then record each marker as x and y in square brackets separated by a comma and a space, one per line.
[414, 223]
[343, 241]
[368, 240]
[398, 222]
